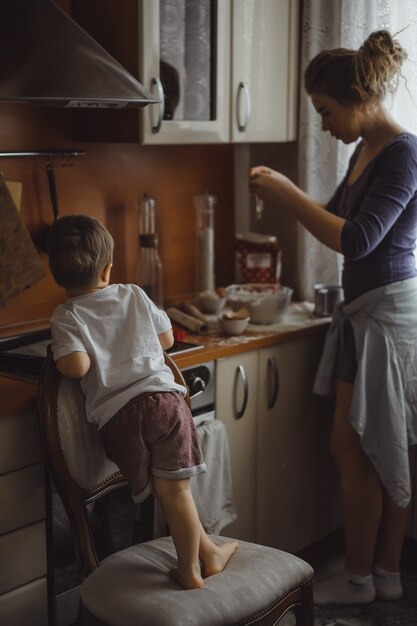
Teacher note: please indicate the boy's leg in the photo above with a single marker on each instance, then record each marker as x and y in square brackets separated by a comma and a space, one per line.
[190, 539]
[213, 557]
[180, 511]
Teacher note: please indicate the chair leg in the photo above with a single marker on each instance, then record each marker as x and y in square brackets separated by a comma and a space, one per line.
[304, 611]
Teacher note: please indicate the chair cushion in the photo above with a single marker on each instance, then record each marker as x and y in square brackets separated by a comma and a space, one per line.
[134, 587]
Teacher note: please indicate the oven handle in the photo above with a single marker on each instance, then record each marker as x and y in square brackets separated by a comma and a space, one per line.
[240, 372]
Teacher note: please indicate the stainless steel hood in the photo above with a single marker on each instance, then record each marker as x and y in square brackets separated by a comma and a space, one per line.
[47, 59]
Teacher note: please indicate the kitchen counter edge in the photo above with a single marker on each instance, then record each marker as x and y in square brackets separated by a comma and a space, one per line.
[18, 396]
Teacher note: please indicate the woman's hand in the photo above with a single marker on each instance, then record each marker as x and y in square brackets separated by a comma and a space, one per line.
[269, 184]
[276, 188]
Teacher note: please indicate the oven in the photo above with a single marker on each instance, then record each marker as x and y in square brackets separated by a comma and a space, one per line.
[200, 382]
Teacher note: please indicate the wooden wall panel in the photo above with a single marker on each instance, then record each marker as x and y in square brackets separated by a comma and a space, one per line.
[107, 183]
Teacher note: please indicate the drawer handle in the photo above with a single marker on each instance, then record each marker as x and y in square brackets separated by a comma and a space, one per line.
[273, 374]
[155, 82]
[243, 89]
[240, 373]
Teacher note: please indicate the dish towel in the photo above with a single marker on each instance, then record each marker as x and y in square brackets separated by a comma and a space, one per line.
[212, 490]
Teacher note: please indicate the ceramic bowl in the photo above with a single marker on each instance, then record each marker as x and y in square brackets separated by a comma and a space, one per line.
[266, 303]
[232, 326]
[210, 302]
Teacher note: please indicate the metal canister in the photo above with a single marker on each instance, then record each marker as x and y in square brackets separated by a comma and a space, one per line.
[326, 297]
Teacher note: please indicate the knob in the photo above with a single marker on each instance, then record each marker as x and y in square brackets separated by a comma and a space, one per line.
[197, 385]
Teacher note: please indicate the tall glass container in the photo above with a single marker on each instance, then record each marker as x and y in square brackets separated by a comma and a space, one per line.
[149, 273]
[204, 204]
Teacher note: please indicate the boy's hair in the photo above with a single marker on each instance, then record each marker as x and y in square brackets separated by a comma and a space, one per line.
[79, 248]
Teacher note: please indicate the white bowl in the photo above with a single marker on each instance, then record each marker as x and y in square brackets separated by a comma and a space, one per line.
[266, 303]
[210, 302]
[234, 326]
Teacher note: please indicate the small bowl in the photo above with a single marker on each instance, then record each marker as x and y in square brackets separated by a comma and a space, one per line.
[210, 302]
[234, 326]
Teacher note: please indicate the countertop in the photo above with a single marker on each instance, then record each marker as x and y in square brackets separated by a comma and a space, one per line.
[299, 320]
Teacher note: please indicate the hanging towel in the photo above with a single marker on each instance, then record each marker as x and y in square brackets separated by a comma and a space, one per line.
[20, 264]
[212, 491]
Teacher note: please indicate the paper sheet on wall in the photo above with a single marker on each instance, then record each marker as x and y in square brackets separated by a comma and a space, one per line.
[15, 189]
[20, 264]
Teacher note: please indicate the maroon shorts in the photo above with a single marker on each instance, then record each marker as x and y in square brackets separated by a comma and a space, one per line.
[153, 434]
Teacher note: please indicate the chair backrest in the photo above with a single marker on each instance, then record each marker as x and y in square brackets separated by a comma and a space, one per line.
[77, 462]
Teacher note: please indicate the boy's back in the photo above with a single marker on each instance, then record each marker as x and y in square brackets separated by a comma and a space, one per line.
[118, 326]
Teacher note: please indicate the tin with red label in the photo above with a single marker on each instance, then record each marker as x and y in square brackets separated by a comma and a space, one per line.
[258, 258]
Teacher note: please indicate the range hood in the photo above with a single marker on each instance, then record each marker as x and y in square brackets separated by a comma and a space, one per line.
[47, 59]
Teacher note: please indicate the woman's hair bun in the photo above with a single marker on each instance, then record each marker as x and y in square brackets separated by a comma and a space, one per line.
[378, 64]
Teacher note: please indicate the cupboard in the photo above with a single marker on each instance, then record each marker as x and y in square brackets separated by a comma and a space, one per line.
[264, 64]
[224, 70]
[284, 481]
[297, 487]
[236, 406]
[23, 553]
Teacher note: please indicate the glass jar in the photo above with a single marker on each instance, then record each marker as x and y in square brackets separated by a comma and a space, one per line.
[204, 204]
[149, 272]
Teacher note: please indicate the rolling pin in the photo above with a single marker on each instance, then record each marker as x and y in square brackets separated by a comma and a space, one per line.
[194, 312]
[189, 322]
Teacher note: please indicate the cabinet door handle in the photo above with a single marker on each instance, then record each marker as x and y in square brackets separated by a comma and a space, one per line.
[272, 369]
[240, 373]
[155, 82]
[243, 92]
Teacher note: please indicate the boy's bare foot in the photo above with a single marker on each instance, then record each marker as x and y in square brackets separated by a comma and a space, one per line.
[216, 561]
[188, 579]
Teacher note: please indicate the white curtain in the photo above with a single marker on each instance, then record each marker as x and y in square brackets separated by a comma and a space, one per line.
[323, 160]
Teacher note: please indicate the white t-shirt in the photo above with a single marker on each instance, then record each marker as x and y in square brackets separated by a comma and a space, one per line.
[118, 327]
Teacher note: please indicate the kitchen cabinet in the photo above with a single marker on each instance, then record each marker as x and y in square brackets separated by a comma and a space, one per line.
[224, 70]
[285, 485]
[185, 60]
[23, 581]
[258, 38]
[236, 406]
[264, 70]
[297, 488]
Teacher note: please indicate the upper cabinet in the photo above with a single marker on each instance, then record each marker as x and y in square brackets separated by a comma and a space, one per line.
[185, 60]
[224, 70]
[264, 73]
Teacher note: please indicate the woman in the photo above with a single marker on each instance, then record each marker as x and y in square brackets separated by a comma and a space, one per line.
[370, 356]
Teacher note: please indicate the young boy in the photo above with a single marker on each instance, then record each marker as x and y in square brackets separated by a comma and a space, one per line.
[112, 338]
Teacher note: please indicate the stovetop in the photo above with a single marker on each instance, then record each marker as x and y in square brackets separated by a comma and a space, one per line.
[180, 347]
[22, 356]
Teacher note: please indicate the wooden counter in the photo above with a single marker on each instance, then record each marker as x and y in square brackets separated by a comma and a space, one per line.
[17, 396]
[219, 346]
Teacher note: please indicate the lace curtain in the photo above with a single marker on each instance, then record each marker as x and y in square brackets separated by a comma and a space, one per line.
[323, 160]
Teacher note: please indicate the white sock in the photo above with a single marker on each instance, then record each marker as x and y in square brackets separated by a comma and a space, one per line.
[387, 584]
[344, 588]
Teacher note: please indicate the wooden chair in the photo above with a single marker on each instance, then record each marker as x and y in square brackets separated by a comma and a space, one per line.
[260, 585]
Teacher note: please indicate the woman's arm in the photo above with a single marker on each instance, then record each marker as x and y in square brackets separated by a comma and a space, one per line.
[74, 365]
[272, 185]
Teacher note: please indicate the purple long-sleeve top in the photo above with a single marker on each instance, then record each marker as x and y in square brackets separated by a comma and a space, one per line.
[380, 209]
